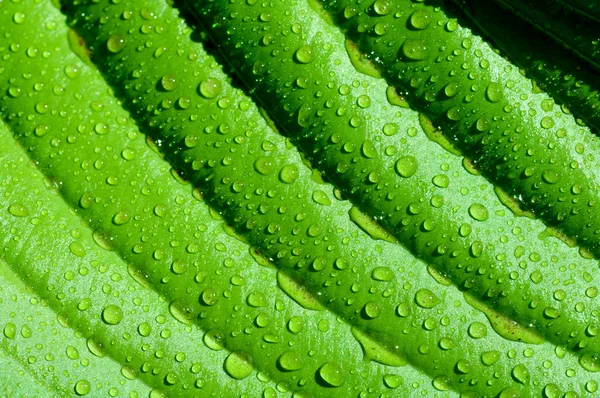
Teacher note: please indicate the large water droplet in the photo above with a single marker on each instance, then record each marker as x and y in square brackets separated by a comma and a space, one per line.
[239, 365]
[425, 298]
[415, 49]
[210, 88]
[406, 166]
[332, 374]
[290, 361]
[590, 361]
[112, 314]
[305, 54]
[420, 19]
[115, 43]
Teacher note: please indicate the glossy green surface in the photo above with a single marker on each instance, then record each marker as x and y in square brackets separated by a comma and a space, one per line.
[568, 26]
[568, 79]
[229, 268]
[520, 140]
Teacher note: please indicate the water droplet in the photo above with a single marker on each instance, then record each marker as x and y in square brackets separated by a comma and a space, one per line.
[350, 11]
[420, 19]
[477, 330]
[390, 129]
[451, 89]
[382, 274]
[521, 374]
[321, 198]
[304, 114]
[392, 381]
[289, 173]
[331, 374]
[463, 366]
[84, 304]
[454, 113]
[10, 330]
[547, 122]
[112, 314]
[482, 124]
[550, 176]
[115, 43]
[406, 166]
[18, 210]
[72, 352]
[493, 92]
[382, 7]
[19, 18]
[257, 299]
[552, 391]
[144, 329]
[169, 82]
[425, 298]
[210, 88]
[551, 313]
[441, 181]
[590, 361]
[214, 339]
[101, 128]
[239, 365]
[290, 361]
[478, 211]
[96, 347]
[181, 310]
[364, 101]
[121, 218]
[415, 49]
[210, 296]
[82, 387]
[14, 91]
[489, 358]
[372, 310]
[305, 54]
[72, 71]
[442, 383]
[77, 249]
[295, 324]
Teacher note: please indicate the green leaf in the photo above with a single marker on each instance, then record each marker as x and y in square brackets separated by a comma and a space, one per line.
[520, 140]
[569, 80]
[256, 278]
[567, 26]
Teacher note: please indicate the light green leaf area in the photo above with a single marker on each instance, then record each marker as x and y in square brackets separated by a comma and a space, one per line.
[258, 220]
